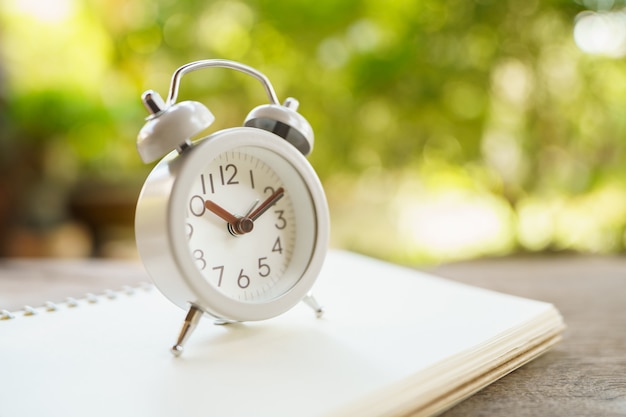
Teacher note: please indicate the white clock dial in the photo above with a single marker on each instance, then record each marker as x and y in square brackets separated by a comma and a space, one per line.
[245, 259]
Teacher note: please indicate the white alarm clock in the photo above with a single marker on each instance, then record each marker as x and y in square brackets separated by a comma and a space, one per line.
[235, 225]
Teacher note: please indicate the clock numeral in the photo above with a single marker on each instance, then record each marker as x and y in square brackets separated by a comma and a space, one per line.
[243, 280]
[282, 222]
[198, 255]
[189, 230]
[224, 170]
[221, 269]
[196, 205]
[277, 246]
[203, 183]
[211, 183]
[264, 269]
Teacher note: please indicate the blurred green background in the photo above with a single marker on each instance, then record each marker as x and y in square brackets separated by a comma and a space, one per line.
[445, 130]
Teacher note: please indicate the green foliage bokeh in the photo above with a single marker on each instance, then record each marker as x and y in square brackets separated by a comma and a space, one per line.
[411, 97]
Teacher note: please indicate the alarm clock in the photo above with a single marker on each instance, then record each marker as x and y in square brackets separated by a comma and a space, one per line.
[233, 226]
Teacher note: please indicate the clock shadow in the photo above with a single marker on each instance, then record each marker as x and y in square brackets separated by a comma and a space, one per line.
[265, 358]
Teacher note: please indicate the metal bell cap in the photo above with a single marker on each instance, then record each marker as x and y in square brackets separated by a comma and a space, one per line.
[284, 121]
[169, 128]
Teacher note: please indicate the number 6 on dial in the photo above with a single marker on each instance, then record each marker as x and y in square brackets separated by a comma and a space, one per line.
[234, 225]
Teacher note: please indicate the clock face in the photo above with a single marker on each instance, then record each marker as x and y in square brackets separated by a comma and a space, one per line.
[249, 224]
[236, 225]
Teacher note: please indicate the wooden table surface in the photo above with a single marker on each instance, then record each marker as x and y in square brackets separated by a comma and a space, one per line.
[585, 375]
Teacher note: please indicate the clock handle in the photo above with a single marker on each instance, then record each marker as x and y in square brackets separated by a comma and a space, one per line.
[280, 119]
[171, 125]
[219, 63]
[191, 321]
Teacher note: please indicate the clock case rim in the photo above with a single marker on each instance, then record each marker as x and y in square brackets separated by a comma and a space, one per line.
[161, 240]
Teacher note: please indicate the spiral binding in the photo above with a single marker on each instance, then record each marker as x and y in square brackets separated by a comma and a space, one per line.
[71, 302]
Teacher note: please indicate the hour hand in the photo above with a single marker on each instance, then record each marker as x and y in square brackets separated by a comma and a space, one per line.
[220, 212]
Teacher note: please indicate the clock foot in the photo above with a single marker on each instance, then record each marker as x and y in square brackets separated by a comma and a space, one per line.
[312, 302]
[222, 322]
[191, 321]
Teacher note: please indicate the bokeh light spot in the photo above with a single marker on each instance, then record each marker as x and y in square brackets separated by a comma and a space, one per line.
[601, 33]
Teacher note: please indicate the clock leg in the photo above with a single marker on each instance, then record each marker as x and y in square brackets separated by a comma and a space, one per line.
[223, 322]
[312, 302]
[191, 321]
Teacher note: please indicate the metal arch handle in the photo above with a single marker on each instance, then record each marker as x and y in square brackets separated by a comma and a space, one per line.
[219, 63]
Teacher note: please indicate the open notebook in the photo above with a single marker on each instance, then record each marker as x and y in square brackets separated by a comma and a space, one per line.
[393, 341]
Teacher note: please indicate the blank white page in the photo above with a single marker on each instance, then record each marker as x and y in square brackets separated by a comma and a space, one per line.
[384, 325]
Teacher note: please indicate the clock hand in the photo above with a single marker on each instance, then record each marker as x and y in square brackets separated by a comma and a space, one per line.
[236, 225]
[251, 208]
[220, 212]
[245, 224]
[269, 202]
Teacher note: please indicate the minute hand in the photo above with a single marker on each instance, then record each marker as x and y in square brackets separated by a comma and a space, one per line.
[269, 202]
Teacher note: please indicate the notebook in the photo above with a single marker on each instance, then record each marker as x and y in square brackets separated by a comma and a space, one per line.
[393, 342]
